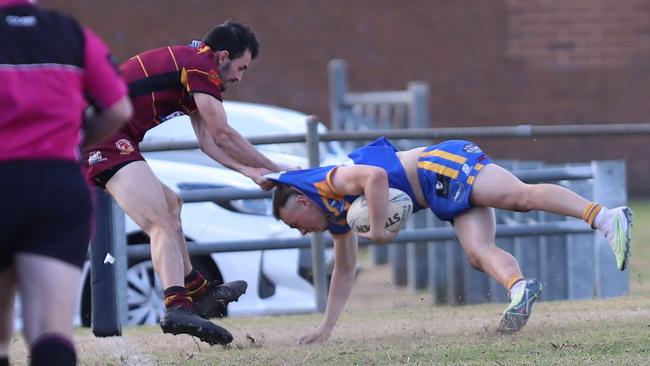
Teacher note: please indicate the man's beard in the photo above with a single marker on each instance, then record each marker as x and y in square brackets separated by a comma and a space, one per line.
[222, 70]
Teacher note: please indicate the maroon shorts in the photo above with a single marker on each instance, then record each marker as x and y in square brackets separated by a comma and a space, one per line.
[105, 159]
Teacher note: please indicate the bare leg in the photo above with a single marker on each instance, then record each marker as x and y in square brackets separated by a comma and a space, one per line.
[156, 209]
[48, 289]
[475, 230]
[176, 204]
[8, 290]
[497, 187]
[141, 195]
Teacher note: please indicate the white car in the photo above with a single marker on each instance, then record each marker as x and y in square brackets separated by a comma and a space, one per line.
[250, 120]
[279, 281]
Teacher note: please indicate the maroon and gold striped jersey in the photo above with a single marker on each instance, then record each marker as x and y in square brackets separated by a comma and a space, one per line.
[161, 82]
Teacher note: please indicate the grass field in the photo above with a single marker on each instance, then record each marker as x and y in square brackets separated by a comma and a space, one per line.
[402, 328]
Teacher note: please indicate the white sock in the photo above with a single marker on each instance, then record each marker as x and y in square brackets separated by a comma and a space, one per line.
[517, 287]
[600, 217]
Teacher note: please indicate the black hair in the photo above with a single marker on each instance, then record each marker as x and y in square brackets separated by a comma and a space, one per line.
[281, 195]
[233, 37]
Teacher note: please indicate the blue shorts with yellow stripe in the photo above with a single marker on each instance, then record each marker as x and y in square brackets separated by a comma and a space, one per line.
[447, 172]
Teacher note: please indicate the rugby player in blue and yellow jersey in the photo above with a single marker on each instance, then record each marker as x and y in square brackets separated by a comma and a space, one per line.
[460, 184]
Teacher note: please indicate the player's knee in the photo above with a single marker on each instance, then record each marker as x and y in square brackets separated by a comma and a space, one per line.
[475, 261]
[167, 225]
[522, 200]
[175, 202]
[521, 206]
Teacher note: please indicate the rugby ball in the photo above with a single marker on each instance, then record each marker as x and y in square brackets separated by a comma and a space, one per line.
[400, 207]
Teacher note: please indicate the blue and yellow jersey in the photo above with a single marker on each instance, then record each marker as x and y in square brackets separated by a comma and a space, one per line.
[446, 173]
[316, 184]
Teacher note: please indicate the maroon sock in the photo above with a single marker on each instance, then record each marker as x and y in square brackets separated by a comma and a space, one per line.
[196, 284]
[52, 349]
[176, 296]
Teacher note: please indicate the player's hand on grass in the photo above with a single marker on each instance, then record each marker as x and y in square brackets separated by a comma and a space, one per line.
[319, 335]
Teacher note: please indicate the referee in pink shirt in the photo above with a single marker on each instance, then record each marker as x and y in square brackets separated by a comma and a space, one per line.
[50, 66]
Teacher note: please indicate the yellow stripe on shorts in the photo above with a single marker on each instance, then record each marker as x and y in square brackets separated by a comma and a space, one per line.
[470, 180]
[440, 169]
[446, 155]
[478, 166]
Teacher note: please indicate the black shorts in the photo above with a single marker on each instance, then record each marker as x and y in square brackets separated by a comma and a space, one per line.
[45, 209]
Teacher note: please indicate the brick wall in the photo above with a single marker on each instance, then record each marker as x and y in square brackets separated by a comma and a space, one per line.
[487, 62]
[578, 34]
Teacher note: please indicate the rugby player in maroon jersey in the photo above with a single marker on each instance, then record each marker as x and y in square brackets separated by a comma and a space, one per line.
[164, 83]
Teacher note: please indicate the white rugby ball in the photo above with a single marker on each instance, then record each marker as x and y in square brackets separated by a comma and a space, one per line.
[400, 207]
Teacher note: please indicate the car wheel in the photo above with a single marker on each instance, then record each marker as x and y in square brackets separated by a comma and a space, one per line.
[144, 294]
[144, 291]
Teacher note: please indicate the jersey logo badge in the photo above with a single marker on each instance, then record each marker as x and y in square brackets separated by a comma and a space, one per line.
[442, 186]
[124, 146]
[213, 76]
[471, 148]
[95, 157]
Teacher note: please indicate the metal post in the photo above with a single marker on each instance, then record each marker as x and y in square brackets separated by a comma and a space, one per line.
[609, 190]
[416, 255]
[455, 284]
[554, 265]
[317, 242]
[581, 259]
[338, 80]
[379, 254]
[437, 267]
[108, 268]
[419, 106]
[397, 261]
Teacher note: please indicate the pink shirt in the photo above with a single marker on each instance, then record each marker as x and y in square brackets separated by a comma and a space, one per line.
[42, 101]
[6, 3]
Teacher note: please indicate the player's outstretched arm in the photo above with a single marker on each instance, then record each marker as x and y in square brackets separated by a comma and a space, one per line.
[215, 130]
[345, 254]
[219, 155]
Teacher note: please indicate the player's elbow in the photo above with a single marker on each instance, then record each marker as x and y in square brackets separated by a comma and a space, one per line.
[222, 137]
[207, 139]
[377, 175]
[119, 112]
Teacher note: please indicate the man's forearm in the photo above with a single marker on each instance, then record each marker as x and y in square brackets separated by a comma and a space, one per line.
[340, 289]
[219, 155]
[241, 150]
